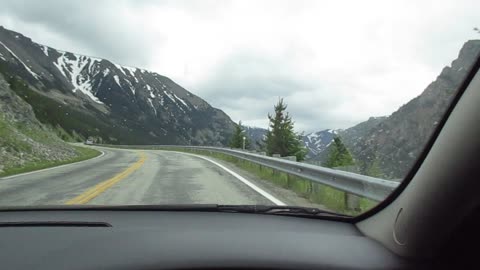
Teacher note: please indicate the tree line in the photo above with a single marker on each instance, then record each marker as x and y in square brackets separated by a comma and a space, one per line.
[282, 139]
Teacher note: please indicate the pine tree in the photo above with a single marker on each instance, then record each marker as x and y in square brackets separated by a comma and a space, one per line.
[281, 137]
[339, 155]
[237, 138]
[374, 169]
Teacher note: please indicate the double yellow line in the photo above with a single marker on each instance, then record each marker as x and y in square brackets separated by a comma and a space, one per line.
[103, 186]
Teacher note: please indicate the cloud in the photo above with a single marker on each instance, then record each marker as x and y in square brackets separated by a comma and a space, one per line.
[107, 29]
[336, 63]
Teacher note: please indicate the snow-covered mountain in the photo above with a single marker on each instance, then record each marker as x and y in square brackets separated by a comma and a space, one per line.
[318, 142]
[96, 97]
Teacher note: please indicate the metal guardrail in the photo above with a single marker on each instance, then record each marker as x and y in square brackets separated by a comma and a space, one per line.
[364, 186]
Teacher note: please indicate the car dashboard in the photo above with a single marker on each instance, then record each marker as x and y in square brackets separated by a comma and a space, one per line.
[104, 239]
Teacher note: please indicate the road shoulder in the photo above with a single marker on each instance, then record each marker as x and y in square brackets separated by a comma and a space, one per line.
[287, 196]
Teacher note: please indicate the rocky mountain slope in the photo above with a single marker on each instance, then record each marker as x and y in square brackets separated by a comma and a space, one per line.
[389, 146]
[23, 139]
[95, 97]
[256, 136]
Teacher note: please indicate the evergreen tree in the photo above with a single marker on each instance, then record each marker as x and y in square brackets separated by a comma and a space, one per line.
[281, 137]
[237, 138]
[338, 155]
[374, 169]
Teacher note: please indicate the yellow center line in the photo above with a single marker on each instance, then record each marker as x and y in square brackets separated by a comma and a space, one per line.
[103, 186]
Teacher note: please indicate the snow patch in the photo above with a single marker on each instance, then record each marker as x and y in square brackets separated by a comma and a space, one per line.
[182, 101]
[44, 49]
[132, 72]
[106, 72]
[35, 75]
[151, 105]
[117, 80]
[61, 65]
[130, 85]
[312, 136]
[150, 90]
[91, 65]
[120, 68]
[172, 98]
[74, 68]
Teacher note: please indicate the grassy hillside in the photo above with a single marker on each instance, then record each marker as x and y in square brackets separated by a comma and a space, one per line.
[25, 143]
[24, 149]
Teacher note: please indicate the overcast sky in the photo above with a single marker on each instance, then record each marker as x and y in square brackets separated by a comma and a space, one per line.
[336, 63]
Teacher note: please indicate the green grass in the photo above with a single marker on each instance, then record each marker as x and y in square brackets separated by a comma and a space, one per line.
[9, 139]
[83, 154]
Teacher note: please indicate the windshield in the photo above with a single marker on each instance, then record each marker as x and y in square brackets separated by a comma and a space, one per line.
[321, 104]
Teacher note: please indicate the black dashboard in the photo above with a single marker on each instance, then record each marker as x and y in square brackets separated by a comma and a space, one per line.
[101, 239]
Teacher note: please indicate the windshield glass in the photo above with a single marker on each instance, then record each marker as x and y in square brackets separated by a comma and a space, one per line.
[323, 104]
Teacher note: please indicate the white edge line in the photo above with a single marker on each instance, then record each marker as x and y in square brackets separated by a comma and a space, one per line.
[239, 177]
[52, 168]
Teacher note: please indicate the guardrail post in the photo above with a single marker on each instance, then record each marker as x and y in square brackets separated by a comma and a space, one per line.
[352, 202]
[310, 187]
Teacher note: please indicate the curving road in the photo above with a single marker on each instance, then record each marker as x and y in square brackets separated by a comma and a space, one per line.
[122, 177]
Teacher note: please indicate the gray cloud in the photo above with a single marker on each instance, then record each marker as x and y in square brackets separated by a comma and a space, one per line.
[248, 85]
[99, 27]
[247, 74]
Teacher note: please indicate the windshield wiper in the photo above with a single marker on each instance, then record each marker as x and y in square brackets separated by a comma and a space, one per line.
[253, 209]
[279, 210]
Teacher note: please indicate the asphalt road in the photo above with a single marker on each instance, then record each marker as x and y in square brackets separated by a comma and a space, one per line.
[132, 177]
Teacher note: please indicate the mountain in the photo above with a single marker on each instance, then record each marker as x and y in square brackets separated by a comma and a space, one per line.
[91, 96]
[256, 136]
[388, 146]
[317, 144]
[353, 136]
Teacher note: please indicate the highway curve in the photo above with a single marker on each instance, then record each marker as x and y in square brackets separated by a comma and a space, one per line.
[131, 177]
